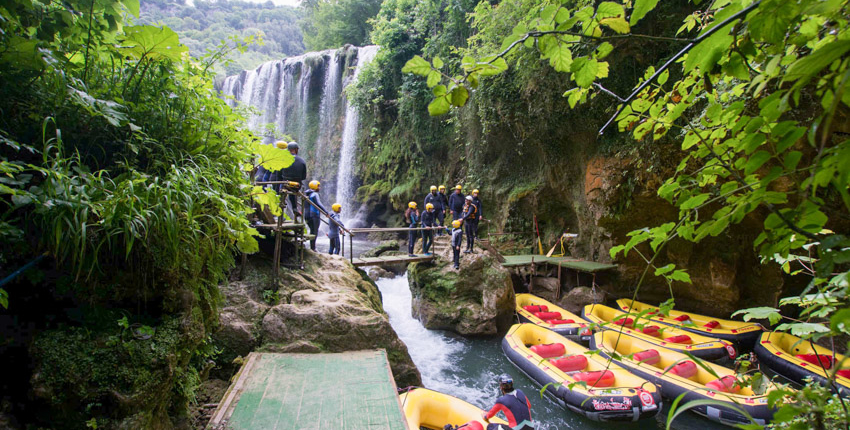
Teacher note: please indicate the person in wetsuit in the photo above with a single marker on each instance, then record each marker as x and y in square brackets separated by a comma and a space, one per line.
[457, 238]
[470, 220]
[333, 229]
[428, 220]
[514, 404]
[444, 200]
[296, 172]
[434, 199]
[456, 201]
[312, 215]
[411, 217]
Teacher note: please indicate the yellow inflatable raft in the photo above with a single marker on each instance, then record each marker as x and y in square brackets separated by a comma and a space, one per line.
[676, 374]
[795, 359]
[424, 408]
[743, 334]
[664, 336]
[535, 310]
[610, 392]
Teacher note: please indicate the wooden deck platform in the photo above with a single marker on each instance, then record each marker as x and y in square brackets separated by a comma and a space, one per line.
[390, 259]
[345, 391]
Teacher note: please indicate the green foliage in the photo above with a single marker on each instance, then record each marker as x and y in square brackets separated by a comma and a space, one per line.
[207, 24]
[334, 23]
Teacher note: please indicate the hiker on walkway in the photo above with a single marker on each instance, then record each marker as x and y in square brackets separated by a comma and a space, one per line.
[296, 172]
[457, 238]
[429, 219]
[477, 202]
[456, 201]
[333, 229]
[514, 404]
[441, 215]
[433, 198]
[411, 217]
[470, 220]
[311, 214]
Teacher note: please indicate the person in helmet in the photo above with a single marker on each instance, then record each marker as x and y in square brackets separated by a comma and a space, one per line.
[411, 217]
[456, 201]
[457, 238]
[513, 404]
[441, 216]
[433, 198]
[470, 219]
[334, 229]
[428, 220]
[477, 202]
[296, 172]
[311, 213]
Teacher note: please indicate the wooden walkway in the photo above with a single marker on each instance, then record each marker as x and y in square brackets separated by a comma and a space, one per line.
[565, 262]
[346, 391]
[390, 260]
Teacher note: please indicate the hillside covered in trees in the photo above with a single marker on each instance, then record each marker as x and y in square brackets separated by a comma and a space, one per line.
[203, 26]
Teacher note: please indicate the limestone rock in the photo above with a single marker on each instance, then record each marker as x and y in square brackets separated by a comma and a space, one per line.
[477, 299]
[576, 299]
[377, 273]
[328, 307]
[384, 246]
[545, 287]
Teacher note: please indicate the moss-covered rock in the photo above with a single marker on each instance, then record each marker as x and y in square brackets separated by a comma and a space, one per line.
[477, 299]
[328, 307]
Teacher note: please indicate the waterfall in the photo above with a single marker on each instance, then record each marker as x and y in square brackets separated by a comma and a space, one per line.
[345, 180]
[301, 97]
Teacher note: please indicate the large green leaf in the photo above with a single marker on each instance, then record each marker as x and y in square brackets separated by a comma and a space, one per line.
[272, 158]
[642, 7]
[439, 106]
[805, 68]
[417, 65]
[584, 71]
[147, 41]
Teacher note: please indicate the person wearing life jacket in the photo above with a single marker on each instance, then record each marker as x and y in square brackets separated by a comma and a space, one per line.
[441, 216]
[457, 238]
[411, 217]
[296, 172]
[470, 219]
[477, 202]
[514, 404]
[333, 229]
[311, 214]
[434, 198]
[456, 202]
[428, 220]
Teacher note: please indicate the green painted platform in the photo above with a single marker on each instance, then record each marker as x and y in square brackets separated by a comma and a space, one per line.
[565, 262]
[345, 391]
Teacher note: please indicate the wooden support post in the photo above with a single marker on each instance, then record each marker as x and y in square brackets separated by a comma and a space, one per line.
[558, 292]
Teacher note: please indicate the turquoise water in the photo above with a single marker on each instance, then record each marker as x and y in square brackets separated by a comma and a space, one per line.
[467, 368]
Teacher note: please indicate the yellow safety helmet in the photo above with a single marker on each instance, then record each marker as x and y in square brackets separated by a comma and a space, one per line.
[336, 207]
[412, 205]
[314, 185]
[458, 187]
[433, 188]
[442, 188]
[456, 223]
[475, 191]
[281, 144]
[429, 206]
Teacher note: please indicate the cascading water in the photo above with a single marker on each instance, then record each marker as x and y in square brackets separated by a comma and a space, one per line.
[345, 180]
[301, 97]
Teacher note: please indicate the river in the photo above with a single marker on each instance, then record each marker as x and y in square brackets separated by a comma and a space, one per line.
[467, 368]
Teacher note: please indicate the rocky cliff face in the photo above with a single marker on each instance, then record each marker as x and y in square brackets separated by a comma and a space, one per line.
[328, 307]
[477, 299]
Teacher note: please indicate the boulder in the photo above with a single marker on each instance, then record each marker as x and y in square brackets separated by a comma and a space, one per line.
[328, 307]
[576, 299]
[377, 273]
[477, 299]
[544, 287]
[384, 246]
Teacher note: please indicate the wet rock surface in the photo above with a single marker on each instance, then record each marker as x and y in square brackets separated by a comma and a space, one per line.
[576, 299]
[328, 307]
[477, 299]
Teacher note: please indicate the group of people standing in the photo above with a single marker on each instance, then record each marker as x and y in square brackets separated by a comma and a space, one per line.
[466, 213]
[292, 179]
